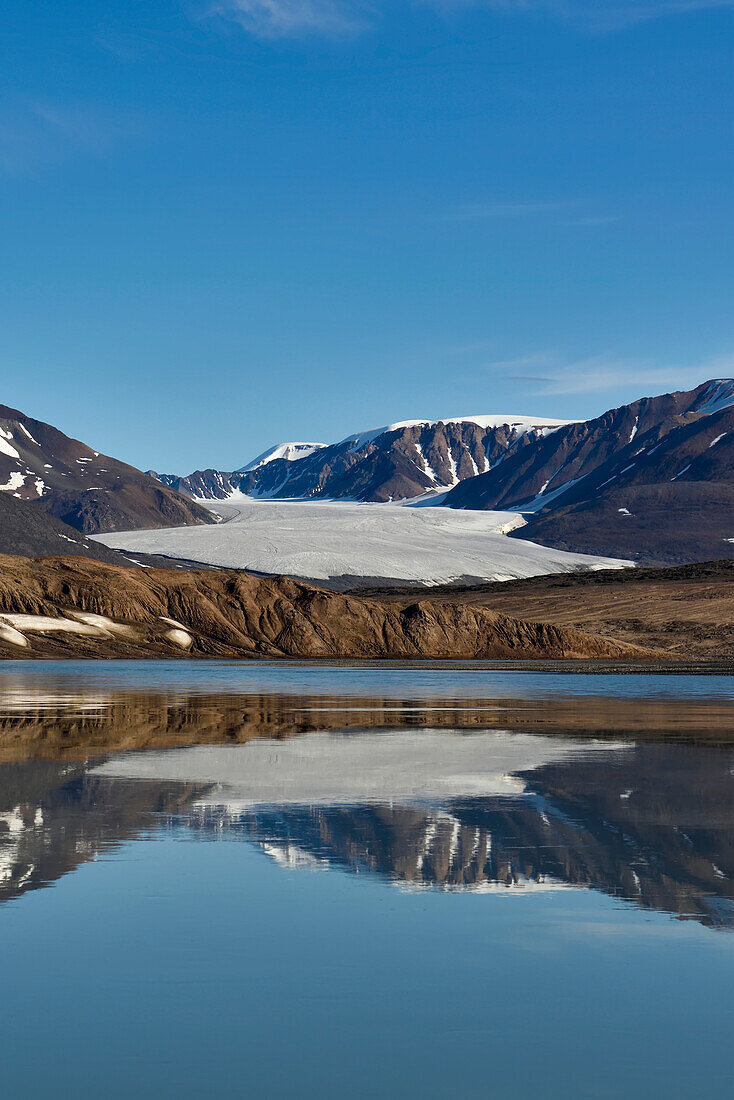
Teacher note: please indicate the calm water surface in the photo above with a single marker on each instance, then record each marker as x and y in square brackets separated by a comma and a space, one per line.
[291, 881]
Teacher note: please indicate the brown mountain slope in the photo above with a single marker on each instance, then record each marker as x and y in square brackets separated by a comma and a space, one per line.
[87, 490]
[127, 720]
[687, 610]
[160, 612]
[652, 481]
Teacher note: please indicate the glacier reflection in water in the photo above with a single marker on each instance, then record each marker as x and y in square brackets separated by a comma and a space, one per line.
[187, 943]
[475, 810]
[650, 824]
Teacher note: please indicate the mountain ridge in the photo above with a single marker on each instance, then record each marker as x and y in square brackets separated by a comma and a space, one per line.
[73, 606]
[651, 481]
[409, 458]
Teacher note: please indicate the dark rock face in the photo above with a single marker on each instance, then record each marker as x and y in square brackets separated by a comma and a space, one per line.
[390, 464]
[90, 492]
[652, 481]
[201, 485]
[26, 530]
[55, 817]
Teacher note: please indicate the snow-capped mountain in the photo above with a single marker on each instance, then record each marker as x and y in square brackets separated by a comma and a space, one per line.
[652, 481]
[395, 462]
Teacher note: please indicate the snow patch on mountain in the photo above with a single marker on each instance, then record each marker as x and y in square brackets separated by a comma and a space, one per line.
[15, 481]
[290, 452]
[28, 434]
[5, 447]
[719, 395]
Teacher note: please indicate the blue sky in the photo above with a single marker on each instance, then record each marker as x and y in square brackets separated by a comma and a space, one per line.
[231, 222]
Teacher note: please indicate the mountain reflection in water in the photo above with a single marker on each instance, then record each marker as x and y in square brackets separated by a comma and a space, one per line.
[449, 809]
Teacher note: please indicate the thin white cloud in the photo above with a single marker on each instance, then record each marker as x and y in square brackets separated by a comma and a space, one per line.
[35, 135]
[595, 14]
[295, 18]
[567, 214]
[600, 375]
[591, 221]
[502, 211]
[624, 12]
[346, 18]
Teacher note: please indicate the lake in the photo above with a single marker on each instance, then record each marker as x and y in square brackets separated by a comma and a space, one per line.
[300, 880]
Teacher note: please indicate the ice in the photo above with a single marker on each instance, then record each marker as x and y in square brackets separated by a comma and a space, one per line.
[103, 623]
[543, 497]
[9, 634]
[453, 476]
[427, 468]
[521, 425]
[719, 395]
[320, 539]
[44, 624]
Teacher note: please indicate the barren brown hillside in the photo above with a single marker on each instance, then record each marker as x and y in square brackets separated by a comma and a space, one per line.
[76, 607]
[687, 611]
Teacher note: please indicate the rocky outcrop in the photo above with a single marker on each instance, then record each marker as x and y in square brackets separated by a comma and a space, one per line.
[67, 606]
